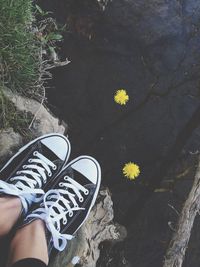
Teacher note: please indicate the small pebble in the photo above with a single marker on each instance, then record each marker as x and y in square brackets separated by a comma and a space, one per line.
[75, 260]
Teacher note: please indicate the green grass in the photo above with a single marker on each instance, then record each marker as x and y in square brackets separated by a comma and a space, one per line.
[19, 48]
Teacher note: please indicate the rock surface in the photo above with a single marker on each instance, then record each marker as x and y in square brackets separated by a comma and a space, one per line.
[99, 227]
[9, 142]
[43, 120]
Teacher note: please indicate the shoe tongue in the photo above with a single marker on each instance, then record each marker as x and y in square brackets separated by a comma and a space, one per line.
[77, 176]
[55, 147]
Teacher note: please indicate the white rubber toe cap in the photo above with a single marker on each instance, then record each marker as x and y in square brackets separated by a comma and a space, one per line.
[88, 167]
[58, 144]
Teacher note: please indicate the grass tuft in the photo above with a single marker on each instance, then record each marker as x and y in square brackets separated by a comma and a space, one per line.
[19, 48]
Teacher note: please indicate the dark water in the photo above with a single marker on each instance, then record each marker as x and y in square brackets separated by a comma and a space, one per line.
[151, 49]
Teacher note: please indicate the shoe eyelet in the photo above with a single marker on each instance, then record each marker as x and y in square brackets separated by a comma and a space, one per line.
[11, 179]
[65, 221]
[35, 153]
[54, 167]
[76, 206]
[81, 199]
[70, 214]
[61, 184]
[18, 172]
[65, 178]
[30, 160]
[49, 174]
[24, 166]
[86, 192]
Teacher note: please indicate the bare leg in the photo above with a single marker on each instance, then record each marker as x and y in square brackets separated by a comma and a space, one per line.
[29, 242]
[10, 210]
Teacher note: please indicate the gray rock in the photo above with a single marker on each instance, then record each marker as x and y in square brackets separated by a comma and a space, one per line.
[98, 228]
[43, 121]
[9, 142]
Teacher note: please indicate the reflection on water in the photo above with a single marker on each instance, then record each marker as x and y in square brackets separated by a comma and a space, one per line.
[151, 49]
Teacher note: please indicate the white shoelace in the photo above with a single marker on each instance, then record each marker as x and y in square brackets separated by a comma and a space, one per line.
[28, 178]
[58, 208]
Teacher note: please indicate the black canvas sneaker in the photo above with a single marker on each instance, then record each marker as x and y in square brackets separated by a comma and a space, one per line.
[66, 206]
[28, 173]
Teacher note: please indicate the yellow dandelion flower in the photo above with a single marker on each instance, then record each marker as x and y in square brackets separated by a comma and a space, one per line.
[121, 97]
[131, 170]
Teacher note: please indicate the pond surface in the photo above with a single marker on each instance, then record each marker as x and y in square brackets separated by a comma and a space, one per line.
[151, 49]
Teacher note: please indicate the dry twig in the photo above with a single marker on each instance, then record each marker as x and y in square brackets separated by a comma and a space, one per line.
[177, 248]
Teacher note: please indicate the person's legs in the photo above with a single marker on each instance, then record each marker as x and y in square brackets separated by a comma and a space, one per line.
[29, 243]
[10, 210]
[23, 180]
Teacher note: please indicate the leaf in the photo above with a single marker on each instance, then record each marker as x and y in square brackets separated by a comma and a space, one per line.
[55, 36]
[161, 190]
[39, 9]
